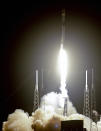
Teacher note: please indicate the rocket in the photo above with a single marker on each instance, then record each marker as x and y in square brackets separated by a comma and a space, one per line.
[63, 61]
[63, 27]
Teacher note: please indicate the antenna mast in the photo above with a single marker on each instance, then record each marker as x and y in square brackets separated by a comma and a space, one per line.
[86, 108]
[93, 101]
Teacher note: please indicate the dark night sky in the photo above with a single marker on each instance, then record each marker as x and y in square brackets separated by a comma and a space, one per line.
[31, 40]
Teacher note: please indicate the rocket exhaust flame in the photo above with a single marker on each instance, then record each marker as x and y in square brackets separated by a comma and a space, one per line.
[63, 70]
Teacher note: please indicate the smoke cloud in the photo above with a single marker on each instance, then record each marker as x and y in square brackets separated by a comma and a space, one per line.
[47, 118]
[41, 121]
[17, 121]
[53, 102]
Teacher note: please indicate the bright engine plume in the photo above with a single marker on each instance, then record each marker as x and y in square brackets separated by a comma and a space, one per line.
[63, 70]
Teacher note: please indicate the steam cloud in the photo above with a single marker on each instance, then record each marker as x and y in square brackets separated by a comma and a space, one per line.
[18, 121]
[47, 118]
[54, 102]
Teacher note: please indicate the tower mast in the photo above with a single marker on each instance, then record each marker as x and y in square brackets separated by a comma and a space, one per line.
[93, 101]
[36, 94]
[86, 108]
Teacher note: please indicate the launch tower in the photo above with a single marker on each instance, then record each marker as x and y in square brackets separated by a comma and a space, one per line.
[86, 108]
[93, 101]
[65, 107]
[36, 94]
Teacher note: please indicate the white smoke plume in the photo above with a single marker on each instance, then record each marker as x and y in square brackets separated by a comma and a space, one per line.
[54, 102]
[46, 121]
[47, 118]
[17, 121]
[99, 124]
[42, 121]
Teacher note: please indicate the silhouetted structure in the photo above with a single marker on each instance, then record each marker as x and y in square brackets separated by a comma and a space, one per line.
[72, 125]
[65, 107]
[94, 114]
[86, 108]
[36, 94]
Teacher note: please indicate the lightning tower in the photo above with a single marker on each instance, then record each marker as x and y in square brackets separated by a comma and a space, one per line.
[36, 94]
[86, 108]
[93, 101]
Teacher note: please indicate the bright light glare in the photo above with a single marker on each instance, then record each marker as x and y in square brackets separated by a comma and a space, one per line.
[63, 69]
